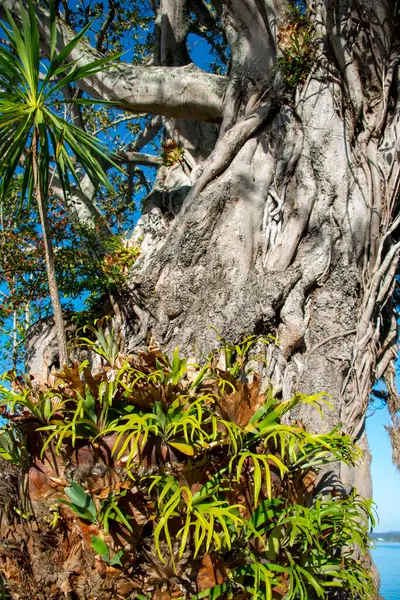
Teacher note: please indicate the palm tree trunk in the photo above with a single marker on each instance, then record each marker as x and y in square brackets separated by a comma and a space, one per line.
[49, 256]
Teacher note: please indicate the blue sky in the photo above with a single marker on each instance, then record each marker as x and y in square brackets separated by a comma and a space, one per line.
[385, 476]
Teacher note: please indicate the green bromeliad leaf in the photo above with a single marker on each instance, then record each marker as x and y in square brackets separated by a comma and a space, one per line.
[100, 547]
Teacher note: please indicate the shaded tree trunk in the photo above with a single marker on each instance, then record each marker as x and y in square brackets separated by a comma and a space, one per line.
[290, 226]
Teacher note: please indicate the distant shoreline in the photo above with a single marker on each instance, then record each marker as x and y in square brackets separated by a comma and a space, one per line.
[392, 537]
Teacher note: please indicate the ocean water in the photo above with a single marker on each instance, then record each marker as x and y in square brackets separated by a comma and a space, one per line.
[387, 559]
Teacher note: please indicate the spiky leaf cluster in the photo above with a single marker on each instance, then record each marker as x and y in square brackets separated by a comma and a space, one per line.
[186, 477]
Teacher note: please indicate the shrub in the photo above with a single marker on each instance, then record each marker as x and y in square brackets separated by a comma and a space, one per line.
[194, 487]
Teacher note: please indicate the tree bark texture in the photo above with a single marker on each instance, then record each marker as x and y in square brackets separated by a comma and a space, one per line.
[290, 225]
[288, 222]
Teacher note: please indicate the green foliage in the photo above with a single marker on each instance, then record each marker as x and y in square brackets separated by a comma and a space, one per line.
[101, 548]
[209, 521]
[202, 469]
[78, 406]
[27, 109]
[172, 153]
[3, 587]
[104, 344]
[116, 28]
[13, 447]
[79, 273]
[37, 138]
[298, 43]
[126, 25]
[80, 502]
[108, 274]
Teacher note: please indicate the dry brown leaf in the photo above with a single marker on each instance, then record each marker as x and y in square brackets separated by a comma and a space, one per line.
[211, 572]
[162, 595]
[100, 566]
[72, 377]
[278, 591]
[240, 405]
[113, 572]
[124, 587]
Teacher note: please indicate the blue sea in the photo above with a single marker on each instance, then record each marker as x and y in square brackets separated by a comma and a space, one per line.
[387, 560]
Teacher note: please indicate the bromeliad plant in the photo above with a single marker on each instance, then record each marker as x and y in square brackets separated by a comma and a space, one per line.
[298, 43]
[195, 483]
[34, 135]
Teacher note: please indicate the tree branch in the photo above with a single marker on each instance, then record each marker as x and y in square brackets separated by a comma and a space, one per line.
[218, 5]
[148, 133]
[74, 108]
[345, 60]
[138, 158]
[227, 148]
[66, 11]
[106, 26]
[186, 92]
[115, 123]
[204, 13]
[81, 204]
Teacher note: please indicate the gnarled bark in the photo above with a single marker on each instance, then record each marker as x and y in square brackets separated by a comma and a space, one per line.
[290, 226]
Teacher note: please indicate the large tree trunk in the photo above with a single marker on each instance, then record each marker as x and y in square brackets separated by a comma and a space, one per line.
[290, 226]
